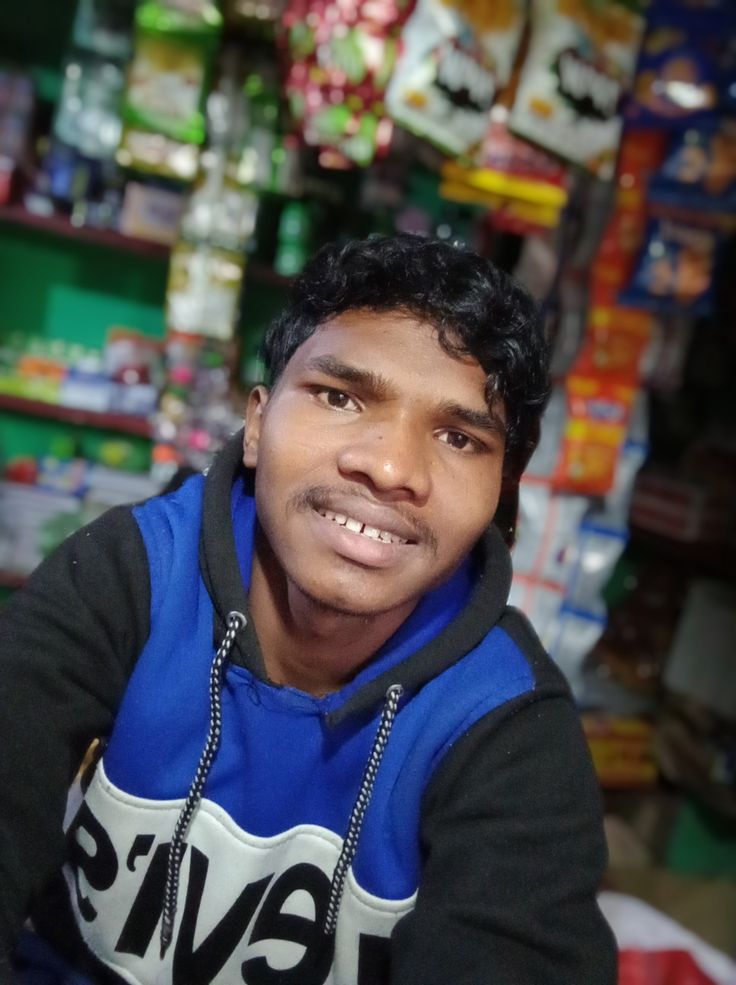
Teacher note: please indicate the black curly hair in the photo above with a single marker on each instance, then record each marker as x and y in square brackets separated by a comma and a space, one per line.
[476, 309]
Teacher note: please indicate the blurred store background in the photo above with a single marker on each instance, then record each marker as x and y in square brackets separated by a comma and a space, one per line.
[166, 168]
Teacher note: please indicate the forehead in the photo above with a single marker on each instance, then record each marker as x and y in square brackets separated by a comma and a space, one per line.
[398, 346]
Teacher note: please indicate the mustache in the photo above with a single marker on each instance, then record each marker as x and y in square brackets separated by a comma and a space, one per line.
[321, 497]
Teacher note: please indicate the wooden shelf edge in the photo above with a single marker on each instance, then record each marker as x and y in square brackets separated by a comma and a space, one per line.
[58, 225]
[123, 423]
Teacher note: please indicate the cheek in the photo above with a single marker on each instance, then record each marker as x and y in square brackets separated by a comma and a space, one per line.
[470, 508]
[288, 458]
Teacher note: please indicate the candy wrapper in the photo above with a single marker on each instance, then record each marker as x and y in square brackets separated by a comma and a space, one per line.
[341, 57]
[580, 63]
[456, 56]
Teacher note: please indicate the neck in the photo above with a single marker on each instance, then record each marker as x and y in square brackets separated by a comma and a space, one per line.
[305, 644]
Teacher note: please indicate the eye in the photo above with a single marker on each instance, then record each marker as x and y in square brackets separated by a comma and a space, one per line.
[460, 441]
[337, 399]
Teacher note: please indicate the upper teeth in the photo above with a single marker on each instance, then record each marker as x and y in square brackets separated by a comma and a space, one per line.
[362, 528]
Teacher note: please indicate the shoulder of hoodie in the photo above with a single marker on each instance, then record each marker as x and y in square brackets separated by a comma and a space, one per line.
[107, 565]
[110, 547]
[547, 686]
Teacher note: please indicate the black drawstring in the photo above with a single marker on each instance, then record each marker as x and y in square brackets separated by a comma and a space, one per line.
[235, 622]
[350, 844]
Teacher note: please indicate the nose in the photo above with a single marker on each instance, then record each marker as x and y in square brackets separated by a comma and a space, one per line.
[392, 458]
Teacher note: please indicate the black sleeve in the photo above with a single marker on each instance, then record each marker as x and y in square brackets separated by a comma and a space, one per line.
[514, 852]
[68, 642]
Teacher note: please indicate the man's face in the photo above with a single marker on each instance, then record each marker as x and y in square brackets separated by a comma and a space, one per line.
[378, 462]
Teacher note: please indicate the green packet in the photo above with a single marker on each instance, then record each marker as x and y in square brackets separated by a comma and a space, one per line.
[170, 73]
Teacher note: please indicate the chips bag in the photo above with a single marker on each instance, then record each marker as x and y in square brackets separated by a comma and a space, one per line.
[699, 171]
[682, 75]
[580, 62]
[456, 56]
[675, 268]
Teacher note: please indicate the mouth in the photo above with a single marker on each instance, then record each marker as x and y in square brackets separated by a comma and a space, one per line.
[364, 529]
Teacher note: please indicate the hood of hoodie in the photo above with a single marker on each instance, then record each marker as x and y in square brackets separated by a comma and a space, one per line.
[222, 575]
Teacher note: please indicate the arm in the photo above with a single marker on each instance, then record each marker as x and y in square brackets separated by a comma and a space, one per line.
[68, 642]
[514, 853]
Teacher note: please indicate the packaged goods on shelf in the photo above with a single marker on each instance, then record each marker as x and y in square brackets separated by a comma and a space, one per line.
[174, 46]
[686, 66]
[88, 112]
[203, 291]
[198, 410]
[579, 65]
[104, 27]
[17, 106]
[569, 541]
[698, 174]
[167, 84]
[455, 58]
[150, 213]
[122, 378]
[24, 510]
[622, 749]
[524, 187]
[340, 60]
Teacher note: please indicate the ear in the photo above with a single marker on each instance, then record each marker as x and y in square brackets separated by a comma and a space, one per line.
[257, 400]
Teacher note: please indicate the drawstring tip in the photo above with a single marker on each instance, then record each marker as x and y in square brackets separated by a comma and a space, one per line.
[167, 932]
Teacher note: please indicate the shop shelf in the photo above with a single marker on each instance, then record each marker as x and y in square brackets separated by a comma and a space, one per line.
[124, 423]
[58, 225]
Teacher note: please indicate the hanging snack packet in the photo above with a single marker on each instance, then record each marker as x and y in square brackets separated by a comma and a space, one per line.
[699, 172]
[678, 75]
[615, 342]
[456, 56]
[641, 154]
[168, 78]
[675, 268]
[599, 411]
[203, 290]
[580, 62]
[341, 57]
[524, 187]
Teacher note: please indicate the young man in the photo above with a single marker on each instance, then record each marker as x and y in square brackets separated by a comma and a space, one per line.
[332, 753]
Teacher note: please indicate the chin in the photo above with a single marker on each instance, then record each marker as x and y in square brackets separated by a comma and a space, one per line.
[354, 604]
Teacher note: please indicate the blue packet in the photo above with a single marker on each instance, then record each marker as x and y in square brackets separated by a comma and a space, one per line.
[699, 170]
[679, 79]
[675, 268]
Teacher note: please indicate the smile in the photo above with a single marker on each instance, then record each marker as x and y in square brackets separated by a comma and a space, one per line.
[373, 533]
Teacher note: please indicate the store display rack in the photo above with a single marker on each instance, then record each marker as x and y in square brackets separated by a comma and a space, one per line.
[60, 226]
[123, 423]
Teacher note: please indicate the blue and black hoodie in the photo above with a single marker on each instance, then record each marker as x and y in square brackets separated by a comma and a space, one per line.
[435, 822]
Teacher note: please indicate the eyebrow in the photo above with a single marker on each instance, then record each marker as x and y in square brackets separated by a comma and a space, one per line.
[371, 383]
[483, 420]
[378, 387]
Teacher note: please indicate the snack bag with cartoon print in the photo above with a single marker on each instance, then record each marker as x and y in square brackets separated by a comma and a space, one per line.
[581, 60]
[456, 56]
